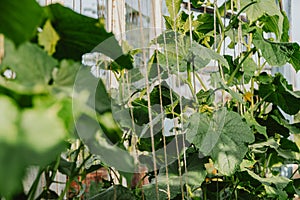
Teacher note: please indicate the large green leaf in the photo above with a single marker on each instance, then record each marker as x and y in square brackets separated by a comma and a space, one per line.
[193, 177]
[31, 136]
[260, 8]
[20, 20]
[204, 23]
[282, 151]
[267, 12]
[223, 136]
[274, 186]
[101, 143]
[277, 54]
[280, 93]
[272, 24]
[88, 34]
[42, 133]
[203, 55]
[32, 65]
[179, 51]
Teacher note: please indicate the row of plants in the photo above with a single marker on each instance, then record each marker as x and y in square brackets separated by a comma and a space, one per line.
[231, 148]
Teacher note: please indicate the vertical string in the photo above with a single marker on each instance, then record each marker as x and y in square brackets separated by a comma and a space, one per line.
[232, 10]
[160, 90]
[180, 102]
[216, 62]
[239, 29]
[239, 51]
[194, 88]
[224, 22]
[172, 103]
[149, 102]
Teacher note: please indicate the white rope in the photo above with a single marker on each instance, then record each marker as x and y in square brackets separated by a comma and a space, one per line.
[180, 102]
[160, 91]
[149, 102]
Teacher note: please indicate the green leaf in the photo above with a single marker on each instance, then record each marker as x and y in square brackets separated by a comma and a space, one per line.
[177, 51]
[295, 57]
[249, 67]
[275, 193]
[272, 52]
[206, 97]
[32, 65]
[204, 55]
[92, 88]
[259, 128]
[223, 136]
[64, 77]
[277, 54]
[48, 38]
[10, 114]
[180, 51]
[236, 95]
[193, 177]
[32, 136]
[155, 70]
[115, 192]
[196, 172]
[98, 142]
[287, 144]
[12, 169]
[276, 115]
[42, 133]
[280, 93]
[278, 25]
[204, 23]
[261, 7]
[19, 21]
[173, 7]
[286, 29]
[88, 34]
[278, 181]
[273, 126]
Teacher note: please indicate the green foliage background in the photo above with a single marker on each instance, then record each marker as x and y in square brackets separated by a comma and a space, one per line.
[235, 148]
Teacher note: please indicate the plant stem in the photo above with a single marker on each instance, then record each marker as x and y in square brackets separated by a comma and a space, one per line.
[234, 190]
[201, 82]
[204, 189]
[67, 186]
[265, 167]
[239, 66]
[262, 101]
[34, 186]
[189, 81]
